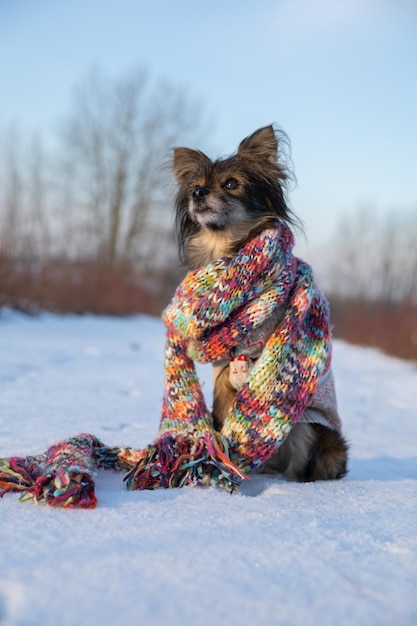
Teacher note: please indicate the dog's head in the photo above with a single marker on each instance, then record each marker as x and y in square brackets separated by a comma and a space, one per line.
[228, 196]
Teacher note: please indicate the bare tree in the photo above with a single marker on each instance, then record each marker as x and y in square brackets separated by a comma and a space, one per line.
[117, 137]
[86, 219]
[12, 189]
[375, 257]
[37, 200]
[24, 196]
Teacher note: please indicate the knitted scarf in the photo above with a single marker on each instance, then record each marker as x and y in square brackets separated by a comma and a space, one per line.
[212, 311]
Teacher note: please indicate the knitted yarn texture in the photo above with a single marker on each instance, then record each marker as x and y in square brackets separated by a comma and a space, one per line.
[212, 311]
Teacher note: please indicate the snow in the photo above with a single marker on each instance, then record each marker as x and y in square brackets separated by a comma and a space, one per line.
[276, 553]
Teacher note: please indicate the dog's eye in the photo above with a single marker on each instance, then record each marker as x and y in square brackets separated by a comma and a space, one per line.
[231, 183]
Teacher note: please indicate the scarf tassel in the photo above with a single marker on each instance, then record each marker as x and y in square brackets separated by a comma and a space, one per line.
[185, 459]
[66, 488]
[62, 476]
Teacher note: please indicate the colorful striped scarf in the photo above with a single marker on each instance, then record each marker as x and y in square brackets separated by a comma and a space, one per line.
[212, 311]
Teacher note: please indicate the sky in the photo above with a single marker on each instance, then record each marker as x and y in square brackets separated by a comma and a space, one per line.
[340, 78]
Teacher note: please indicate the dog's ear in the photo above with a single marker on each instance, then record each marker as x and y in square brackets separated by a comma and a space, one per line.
[186, 162]
[262, 144]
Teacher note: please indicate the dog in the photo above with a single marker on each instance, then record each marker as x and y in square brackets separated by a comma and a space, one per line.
[220, 205]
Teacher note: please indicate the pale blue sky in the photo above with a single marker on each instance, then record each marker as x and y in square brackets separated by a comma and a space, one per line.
[339, 76]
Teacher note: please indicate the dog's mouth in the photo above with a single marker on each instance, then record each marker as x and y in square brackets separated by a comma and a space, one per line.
[207, 214]
[200, 209]
[216, 214]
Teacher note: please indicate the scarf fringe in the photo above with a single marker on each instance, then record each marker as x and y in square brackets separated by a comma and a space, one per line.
[63, 475]
[180, 459]
[66, 488]
[185, 459]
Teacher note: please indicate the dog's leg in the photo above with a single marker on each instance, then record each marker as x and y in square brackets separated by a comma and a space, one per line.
[223, 397]
[328, 456]
[310, 452]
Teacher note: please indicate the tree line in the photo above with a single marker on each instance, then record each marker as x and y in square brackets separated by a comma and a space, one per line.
[86, 218]
[95, 198]
[372, 280]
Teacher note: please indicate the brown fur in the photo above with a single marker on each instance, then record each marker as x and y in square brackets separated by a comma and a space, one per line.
[220, 206]
[223, 396]
[310, 452]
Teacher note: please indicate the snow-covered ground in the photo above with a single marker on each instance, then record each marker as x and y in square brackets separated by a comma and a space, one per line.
[276, 553]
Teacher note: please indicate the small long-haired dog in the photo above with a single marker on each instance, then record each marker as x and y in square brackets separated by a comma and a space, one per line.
[221, 205]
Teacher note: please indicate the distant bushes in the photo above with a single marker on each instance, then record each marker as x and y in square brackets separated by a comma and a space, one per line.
[93, 287]
[372, 281]
[390, 326]
[83, 287]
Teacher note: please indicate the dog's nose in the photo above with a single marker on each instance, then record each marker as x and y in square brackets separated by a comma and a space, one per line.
[200, 192]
